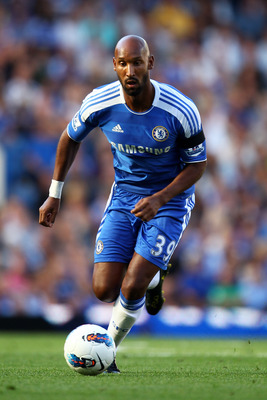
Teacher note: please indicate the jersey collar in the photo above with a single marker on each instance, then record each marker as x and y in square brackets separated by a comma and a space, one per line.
[155, 100]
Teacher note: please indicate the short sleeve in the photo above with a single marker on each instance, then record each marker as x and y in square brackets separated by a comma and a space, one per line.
[193, 149]
[78, 129]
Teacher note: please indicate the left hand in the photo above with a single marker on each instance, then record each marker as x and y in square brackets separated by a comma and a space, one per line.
[146, 208]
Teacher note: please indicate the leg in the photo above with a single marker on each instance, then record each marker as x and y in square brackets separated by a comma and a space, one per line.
[107, 280]
[130, 303]
[139, 274]
[154, 293]
[157, 241]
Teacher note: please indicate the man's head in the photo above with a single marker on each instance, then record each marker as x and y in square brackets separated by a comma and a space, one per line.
[132, 62]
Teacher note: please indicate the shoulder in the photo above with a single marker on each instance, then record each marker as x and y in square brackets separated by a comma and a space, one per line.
[100, 98]
[180, 106]
[175, 96]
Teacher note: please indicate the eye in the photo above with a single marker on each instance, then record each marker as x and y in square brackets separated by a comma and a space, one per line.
[122, 63]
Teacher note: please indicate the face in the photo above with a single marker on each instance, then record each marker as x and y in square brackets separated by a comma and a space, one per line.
[132, 64]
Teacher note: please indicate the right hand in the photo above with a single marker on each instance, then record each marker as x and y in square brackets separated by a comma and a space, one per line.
[48, 212]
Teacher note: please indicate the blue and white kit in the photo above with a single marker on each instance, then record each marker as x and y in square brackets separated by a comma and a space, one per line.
[149, 150]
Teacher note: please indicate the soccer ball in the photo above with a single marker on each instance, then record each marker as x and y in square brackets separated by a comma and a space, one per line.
[89, 349]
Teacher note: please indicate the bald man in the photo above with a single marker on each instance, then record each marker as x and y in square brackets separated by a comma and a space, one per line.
[159, 153]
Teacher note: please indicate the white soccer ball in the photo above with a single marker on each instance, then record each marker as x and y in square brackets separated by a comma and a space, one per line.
[89, 349]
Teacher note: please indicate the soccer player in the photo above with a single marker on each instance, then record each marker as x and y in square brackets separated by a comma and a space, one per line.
[159, 153]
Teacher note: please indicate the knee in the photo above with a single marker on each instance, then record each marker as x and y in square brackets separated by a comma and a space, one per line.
[105, 293]
[107, 280]
[133, 290]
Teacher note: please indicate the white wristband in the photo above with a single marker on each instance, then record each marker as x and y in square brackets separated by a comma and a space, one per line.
[55, 189]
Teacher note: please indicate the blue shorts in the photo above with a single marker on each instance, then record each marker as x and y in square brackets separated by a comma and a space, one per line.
[121, 233]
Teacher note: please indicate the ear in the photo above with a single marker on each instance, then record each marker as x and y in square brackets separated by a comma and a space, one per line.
[114, 63]
[151, 62]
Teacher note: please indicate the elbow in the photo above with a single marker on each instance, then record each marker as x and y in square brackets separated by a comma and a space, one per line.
[199, 169]
[203, 166]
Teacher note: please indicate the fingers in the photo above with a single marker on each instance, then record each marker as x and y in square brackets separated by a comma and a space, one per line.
[48, 212]
[138, 208]
[45, 219]
[142, 216]
[143, 210]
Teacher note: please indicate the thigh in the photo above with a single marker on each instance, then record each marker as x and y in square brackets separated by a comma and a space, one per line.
[118, 230]
[158, 238]
[116, 239]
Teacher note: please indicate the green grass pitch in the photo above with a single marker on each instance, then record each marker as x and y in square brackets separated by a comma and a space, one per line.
[32, 367]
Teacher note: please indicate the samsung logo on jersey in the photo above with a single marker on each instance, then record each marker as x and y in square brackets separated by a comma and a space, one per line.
[132, 149]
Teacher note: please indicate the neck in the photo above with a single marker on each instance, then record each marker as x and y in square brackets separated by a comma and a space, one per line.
[143, 101]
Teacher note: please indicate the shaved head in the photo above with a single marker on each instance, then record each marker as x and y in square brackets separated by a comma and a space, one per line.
[133, 42]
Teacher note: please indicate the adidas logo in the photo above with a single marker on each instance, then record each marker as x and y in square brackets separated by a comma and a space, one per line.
[118, 128]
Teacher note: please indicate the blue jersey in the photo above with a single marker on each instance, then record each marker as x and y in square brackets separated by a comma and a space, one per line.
[149, 148]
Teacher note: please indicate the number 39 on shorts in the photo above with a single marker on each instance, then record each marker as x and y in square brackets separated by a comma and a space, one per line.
[160, 248]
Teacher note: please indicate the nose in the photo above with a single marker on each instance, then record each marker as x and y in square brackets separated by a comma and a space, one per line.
[130, 70]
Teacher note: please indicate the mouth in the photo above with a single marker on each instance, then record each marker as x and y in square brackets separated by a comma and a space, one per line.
[131, 83]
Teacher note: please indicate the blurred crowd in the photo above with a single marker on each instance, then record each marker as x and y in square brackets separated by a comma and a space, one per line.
[54, 52]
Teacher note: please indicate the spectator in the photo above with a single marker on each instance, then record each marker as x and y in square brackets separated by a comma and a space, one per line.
[50, 57]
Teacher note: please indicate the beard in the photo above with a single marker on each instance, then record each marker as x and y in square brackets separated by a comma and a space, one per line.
[135, 91]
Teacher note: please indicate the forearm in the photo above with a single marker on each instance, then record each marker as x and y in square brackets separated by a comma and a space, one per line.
[187, 178]
[147, 207]
[66, 153]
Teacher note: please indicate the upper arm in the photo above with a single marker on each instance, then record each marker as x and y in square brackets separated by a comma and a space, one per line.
[193, 149]
[192, 141]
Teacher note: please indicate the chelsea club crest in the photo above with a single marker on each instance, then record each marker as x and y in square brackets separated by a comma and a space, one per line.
[160, 134]
[99, 247]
